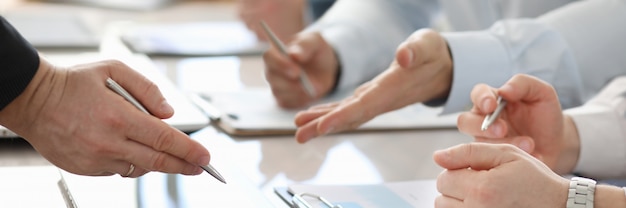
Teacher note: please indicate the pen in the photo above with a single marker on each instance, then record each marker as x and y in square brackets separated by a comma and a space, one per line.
[207, 108]
[111, 84]
[489, 119]
[308, 86]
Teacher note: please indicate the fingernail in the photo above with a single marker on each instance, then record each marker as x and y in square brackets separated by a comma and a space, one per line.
[444, 154]
[329, 130]
[197, 171]
[292, 73]
[295, 49]
[496, 130]
[411, 56]
[485, 104]
[524, 145]
[204, 160]
[166, 107]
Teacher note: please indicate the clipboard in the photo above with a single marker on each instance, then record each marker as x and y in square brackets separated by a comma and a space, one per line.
[254, 112]
[403, 194]
[193, 39]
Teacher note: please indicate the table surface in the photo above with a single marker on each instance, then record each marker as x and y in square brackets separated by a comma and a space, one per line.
[253, 164]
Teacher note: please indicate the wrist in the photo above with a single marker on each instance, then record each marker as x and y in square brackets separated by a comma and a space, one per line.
[570, 147]
[581, 193]
[25, 108]
[609, 197]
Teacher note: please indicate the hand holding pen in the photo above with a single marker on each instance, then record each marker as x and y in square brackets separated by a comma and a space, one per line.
[304, 79]
[530, 118]
[301, 72]
[111, 84]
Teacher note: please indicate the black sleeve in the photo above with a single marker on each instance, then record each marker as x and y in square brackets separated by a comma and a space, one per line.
[19, 62]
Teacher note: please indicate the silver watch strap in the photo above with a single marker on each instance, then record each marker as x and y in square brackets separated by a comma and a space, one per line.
[581, 193]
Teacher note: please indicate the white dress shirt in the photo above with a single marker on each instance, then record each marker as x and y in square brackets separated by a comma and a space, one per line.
[601, 125]
[575, 48]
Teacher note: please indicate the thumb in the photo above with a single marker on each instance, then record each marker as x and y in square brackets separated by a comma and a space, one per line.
[304, 47]
[419, 48]
[478, 156]
[525, 143]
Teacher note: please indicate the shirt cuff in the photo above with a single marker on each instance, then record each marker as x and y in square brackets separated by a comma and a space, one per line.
[341, 36]
[478, 57]
[20, 62]
[602, 148]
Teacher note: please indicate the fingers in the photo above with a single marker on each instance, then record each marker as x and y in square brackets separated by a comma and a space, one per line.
[304, 46]
[148, 159]
[283, 76]
[314, 112]
[347, 116]
[421, 46]
[469, 123]
[286, 65]
[478, 156]
[447, 202]
[142, 89]
[164, 138]
[525, 88]
[484, 98]
[455, 184]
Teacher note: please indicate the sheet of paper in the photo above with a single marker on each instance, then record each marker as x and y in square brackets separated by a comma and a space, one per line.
[193, 39]
[254, 111]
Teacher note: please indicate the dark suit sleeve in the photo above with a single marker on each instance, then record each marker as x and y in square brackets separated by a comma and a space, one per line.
[19, 62]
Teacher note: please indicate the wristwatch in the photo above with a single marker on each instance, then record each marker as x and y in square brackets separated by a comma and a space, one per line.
[581, 193]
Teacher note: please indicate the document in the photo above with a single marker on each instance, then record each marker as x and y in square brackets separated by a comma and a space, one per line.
[193, 39]
[404, 194]
[253, 112]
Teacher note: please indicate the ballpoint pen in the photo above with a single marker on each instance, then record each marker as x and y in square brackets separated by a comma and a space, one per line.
[489, 119]
[304, 79]
[111, 84]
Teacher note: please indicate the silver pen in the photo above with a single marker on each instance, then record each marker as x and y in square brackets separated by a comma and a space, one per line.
[111, 84]
[489, 119]
[304, 79]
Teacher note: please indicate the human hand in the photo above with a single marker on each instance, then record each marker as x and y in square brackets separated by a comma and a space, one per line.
[308, 53]
[421, 72]
[285, 17]
[72, 119]
[496, 175]
[531, 120]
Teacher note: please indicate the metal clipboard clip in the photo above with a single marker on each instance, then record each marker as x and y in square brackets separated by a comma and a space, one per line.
[298, 201]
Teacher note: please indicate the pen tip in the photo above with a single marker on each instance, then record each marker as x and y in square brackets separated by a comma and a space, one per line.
[211, 171]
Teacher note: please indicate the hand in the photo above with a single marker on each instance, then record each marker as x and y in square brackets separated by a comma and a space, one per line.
[308, 53]
[532, 120]
[421, 72]
[285, 17]
[496, 175]
[72, 119]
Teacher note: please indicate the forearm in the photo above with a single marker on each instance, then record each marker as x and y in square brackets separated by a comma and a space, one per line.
[609, 197]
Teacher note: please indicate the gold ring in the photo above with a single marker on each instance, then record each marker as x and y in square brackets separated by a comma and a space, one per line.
[131, 169]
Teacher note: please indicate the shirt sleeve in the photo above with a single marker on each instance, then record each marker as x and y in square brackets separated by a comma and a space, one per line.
[601, 125]
[19, 62]
[577, 48]
[365, 33]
